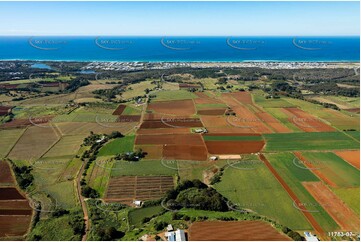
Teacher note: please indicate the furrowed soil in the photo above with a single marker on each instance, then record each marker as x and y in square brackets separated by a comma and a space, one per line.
[234, 231]
[334, 206]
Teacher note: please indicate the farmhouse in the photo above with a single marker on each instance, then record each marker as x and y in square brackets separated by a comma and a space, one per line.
[178, 235]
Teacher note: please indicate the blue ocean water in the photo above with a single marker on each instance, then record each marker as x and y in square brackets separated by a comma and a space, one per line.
[182, 49]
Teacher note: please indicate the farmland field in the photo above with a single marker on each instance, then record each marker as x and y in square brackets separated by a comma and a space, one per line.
[252, 186]
[294, 175]
[117, 146]
[136, 216]
[126, 189]
[247, 230]
[309, 141]
[8, 140]
[332, 169]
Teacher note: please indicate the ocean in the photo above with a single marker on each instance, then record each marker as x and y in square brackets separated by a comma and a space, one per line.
[181, 49]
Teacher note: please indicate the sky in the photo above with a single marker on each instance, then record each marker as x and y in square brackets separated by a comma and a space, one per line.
[180, 18]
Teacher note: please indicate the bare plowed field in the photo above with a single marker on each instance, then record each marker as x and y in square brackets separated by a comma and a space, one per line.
[128, 118]
[212, 111]
[306, 121]
[126, 189]
[5, 173]
[181, 107]
[15, 211]
[164, 131]
[351, 156]
[185, 152]
[234, 147]
[17, 123]
[334, 206]
[243, 97]
[234, 231]
[119, 109]
[153, 151]
[174, 122]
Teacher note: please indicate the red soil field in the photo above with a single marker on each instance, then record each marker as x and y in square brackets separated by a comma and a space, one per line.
[185, 152]
[126, 189]
[229, 130]
[176, 107]
[10, 193]
[128, 118]
[234, 147]
[276, 125]
[212, 121]
[153, 116]
[153, 151]
[119, 109]
[212, 111]
[169, 139]
[334, 206]
[351, 156]
[306, 121]
[164, 131]
[14, 225]
[234, 231]
[294, 197]
[171, 122]
[18, 123]
[5, 173]
[317, 172]
[243, 97]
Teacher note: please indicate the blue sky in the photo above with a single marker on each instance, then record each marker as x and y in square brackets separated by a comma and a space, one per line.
[180, 18]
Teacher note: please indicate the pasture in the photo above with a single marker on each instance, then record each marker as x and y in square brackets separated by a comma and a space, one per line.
[117, 146]
[8, 140]
[173, 95]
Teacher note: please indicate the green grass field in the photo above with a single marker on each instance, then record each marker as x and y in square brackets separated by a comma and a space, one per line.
[309, 141]
[137, 89]
[173, 95]
[283, 118]
[117, 146]
[143, 168]
[258, 190]
[351, 196]
[259, 99]
[294, 176]
[232, 138]
[8, 140]
[67, 146]
[131, 111]
[334, 168]
[136, 216]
